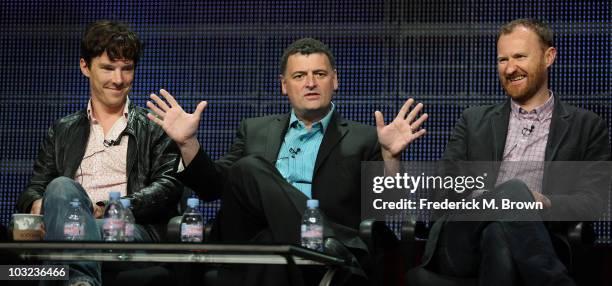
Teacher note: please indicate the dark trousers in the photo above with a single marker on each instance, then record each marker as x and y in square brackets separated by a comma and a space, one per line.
[258, 199]
[259, 206]
[512, 248]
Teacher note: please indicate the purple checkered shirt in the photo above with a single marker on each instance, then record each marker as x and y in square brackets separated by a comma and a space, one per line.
[526, 144]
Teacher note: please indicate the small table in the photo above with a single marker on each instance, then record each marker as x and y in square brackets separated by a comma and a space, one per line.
[176, 253]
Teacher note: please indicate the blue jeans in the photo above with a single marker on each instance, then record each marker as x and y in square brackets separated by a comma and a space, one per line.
[56, 200]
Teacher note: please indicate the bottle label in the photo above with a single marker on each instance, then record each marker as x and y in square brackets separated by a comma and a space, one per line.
[129, 230]
[113, 224]
[73, 229]
[191, 230]
[313, 231]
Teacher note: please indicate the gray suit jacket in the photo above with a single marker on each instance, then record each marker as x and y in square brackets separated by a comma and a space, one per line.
[575, 135]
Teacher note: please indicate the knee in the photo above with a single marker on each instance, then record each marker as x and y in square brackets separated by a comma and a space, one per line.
[515, 190]
[61, 188]
[248, 164]
[247, 173]
[513, 184]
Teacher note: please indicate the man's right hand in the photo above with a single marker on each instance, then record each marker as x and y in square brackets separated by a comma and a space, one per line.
[36, 206]
[98, 211]
[182, 127]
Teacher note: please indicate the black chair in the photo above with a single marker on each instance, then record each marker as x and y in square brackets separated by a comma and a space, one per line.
[567, 242]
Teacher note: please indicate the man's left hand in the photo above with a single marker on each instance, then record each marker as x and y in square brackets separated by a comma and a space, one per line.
[397, 135]
[542, 199]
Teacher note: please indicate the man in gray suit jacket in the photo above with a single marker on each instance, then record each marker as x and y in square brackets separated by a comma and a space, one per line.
[277, 162]
[532, 125]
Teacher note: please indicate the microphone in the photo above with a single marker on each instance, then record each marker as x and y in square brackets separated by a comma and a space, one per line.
[527, 131]
[116, 142]
[107, 143]
[294, 152]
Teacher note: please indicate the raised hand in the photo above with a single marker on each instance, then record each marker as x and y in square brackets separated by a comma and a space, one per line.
[399, 133]
[180, 126]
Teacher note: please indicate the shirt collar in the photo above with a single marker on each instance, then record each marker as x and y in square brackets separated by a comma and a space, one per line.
[542, 112]
[324, 122]
[126, 110]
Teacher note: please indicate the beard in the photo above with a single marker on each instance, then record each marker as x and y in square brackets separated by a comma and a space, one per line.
[521, 94]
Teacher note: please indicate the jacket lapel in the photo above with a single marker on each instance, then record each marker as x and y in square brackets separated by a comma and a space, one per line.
[559, 126]
[75, 148]
[499, 129]
[334, 133]
[276, 131]
[132, 143]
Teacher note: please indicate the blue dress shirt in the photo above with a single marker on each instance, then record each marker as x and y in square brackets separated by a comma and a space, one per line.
[298, 153]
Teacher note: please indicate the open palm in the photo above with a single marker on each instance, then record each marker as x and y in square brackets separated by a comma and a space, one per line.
[178, 124]
[400, 132]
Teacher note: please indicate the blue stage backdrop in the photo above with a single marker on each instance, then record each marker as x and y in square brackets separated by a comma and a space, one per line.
[227, 52]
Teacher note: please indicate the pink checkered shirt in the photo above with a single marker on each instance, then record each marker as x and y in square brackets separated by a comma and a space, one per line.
[103, 169]
[526, 144]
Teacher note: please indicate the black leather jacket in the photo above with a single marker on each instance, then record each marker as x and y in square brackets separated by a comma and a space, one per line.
[152, 159]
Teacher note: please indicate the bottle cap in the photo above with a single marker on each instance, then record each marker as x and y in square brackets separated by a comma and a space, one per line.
[114, 195]
[75, 203]
[193, 202]
[311, 204]
[126, 203]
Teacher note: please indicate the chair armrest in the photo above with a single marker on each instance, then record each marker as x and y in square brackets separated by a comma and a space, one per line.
[385, 266]
[208, 226]
[413, 241]
[408, 231]
[377, 235]
[581, 233]
[173, 230]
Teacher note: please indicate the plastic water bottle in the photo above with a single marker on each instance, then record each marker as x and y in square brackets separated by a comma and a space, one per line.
[114, 225]
[192, 223]
[74, 224]
[128, 220]
[312, 226]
